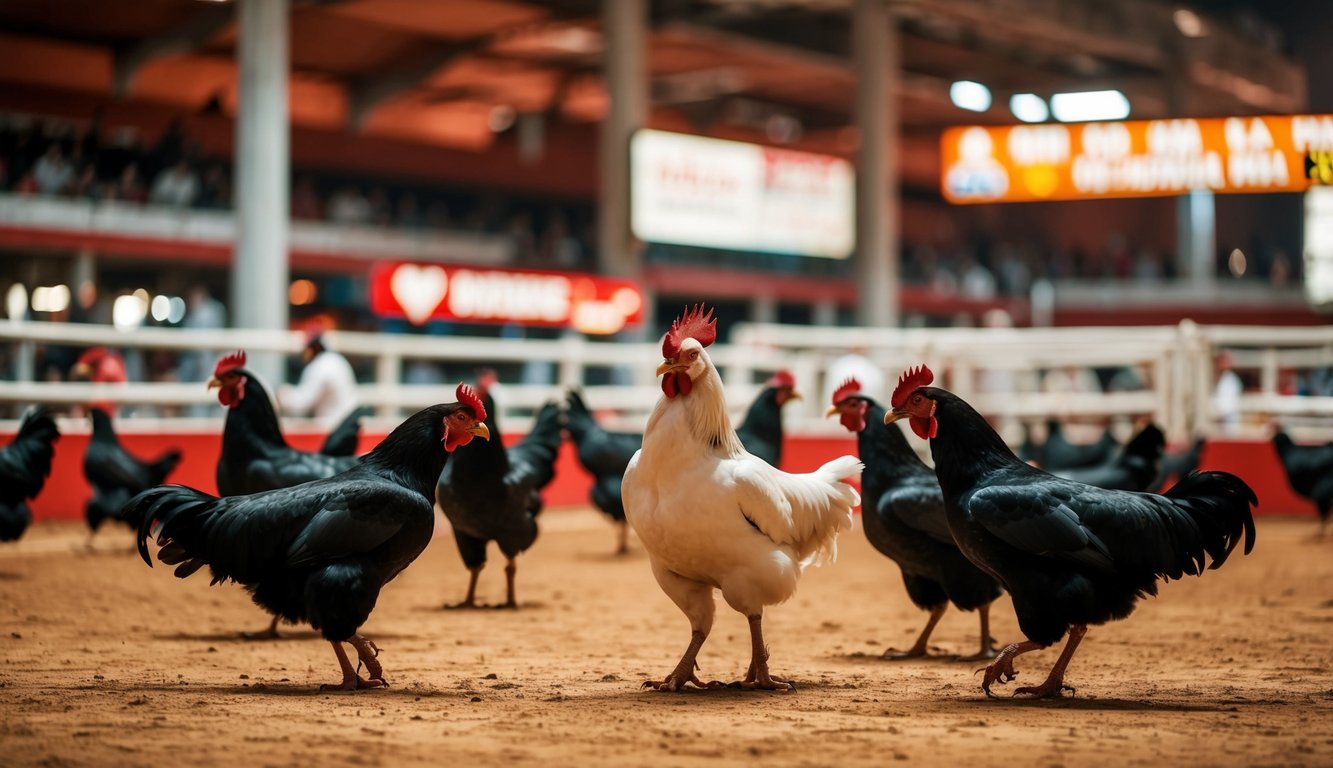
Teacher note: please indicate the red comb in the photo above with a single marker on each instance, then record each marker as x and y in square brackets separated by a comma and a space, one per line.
[783, 379]
[468, 396]
[912, 378]
[846, 389]
[234, 360]
[487, 379]
[692, 324]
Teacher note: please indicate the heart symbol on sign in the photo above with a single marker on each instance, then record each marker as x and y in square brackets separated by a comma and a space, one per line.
[419, 290]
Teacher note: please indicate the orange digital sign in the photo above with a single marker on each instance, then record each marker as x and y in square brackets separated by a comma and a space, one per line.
[1136, 158]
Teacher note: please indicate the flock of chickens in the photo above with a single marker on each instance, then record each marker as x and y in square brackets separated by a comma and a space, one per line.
[314, 536]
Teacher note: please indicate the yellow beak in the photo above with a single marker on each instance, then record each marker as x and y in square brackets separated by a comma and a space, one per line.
[893, 416]
[666, 367]
[214, 383]
[794, 395]
[81, 370]
[480, 430]
[832, 411]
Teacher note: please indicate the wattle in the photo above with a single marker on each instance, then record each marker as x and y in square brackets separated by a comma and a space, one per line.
[676, 383]
[925, 427]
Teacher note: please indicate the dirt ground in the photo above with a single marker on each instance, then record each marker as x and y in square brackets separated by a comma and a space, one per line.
[105, 662]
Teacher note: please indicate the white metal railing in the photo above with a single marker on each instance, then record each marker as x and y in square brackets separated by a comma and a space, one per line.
[995, 369]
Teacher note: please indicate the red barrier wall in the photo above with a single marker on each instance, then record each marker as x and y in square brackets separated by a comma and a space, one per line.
[66, 490]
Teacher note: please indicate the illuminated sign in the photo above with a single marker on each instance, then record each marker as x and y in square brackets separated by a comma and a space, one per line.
[422, 292]
[691, 190]
[1319, 246]
[1138, 158]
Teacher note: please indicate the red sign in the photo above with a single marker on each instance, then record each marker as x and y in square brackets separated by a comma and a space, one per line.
[422, 292]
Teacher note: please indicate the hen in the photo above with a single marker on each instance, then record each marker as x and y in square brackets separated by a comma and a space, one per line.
[1069, 554]
[1058, 453]
[490, 493]
[1175, 466]
[1134, 468]
[24, 465]
[761, 432]
[712, 516]
[321, 551]
[115, 475]
[605, 455]
[1309, 469]
[904, 519]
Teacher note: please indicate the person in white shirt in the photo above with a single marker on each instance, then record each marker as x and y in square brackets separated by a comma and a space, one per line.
[327, 389]
[176, 187]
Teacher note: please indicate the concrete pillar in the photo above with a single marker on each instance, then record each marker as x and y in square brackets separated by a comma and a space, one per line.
[825, 312]
[1196, 237]
[877, 55]
[624, 26]
[260, 265]
[763, 309]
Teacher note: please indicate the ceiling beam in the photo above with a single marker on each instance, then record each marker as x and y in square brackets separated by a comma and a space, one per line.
[189, 36]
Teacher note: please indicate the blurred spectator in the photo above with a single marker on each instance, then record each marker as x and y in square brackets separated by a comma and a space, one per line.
[176, 187]
[380, 213]
[129, 187]
[327, 388]
[521, 236]
[976, 282]
[305, 201]
[202, 311]
[215, 189]
[1226, 394]
[86, 186]
[409, 212]
[349, 206]
[52, 172]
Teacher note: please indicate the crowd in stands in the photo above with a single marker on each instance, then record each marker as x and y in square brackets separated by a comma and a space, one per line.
[49, 157]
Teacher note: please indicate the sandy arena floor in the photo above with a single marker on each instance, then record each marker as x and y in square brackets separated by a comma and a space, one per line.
[108, 663]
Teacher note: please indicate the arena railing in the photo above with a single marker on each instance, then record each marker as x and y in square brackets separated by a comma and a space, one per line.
[998, 370]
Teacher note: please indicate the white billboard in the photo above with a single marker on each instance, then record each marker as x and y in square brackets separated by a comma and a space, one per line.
[691, 190]
[1319, 246]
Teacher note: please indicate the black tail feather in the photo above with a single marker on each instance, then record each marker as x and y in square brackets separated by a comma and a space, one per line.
[1219, 507]
[164, 465]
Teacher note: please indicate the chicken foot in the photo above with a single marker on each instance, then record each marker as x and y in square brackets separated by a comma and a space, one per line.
[683, 674]
[264, 634]
[471, 600]
[622, 538]
[368, 653]
[987, 651]
[918, 648]
[758, 678]
[1002, 669]
[1054, 684]
[351, 680]
[511, 569]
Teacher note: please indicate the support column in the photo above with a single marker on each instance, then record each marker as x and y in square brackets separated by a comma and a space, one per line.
[1196, 237]
[260, 266]
[877, 56]
[624, 23]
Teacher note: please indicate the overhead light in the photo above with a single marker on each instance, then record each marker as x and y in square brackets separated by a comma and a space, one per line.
[128, 312]
[1029, 107]
[502, 118]
[302, 292]
[161, 307]
[1090, 105]
[1188, 22]
[50, 298]
[970, 95]
[175, 310]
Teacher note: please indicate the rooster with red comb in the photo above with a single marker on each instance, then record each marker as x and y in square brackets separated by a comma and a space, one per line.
[1069, 554]
[714, 517]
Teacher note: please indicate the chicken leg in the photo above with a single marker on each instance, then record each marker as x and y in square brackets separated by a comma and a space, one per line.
[758, 677]
[511, 568]
[1002, 669]
[987, 651]
[369, 653]
[264, 634]
[918, 648]
[622, 537]
[351, 680]
[471, 600]
[1054, 685]
[683, 674]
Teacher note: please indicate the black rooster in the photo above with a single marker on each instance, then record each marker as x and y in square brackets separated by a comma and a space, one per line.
[343, 440]
[761, 431]
[321, 551]
[24, 465]
[1176, 465]
[902, 510]
[115, 475]
[1309, 469]
[255, 456]
[1069, 554]
[605, 455]
[490, 493]
[1133, 469]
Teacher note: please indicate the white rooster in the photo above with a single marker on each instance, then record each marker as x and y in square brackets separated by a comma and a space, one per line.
[714, 517]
